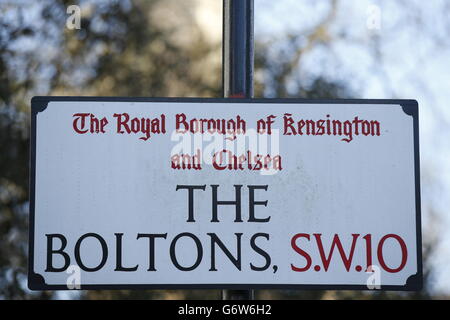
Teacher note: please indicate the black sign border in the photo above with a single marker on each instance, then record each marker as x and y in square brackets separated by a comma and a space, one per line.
[410, 107]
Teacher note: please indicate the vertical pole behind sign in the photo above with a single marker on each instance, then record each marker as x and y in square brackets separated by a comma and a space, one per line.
[237, 72]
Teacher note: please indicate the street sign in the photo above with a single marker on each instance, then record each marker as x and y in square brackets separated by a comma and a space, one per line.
[149, 193]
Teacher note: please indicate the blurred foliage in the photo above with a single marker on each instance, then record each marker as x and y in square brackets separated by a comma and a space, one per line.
[124, 48]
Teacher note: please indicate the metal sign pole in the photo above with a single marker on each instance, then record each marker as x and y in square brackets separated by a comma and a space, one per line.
[237, 72]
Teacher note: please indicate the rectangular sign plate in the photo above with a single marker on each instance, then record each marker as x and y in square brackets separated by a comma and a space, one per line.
[131, 193]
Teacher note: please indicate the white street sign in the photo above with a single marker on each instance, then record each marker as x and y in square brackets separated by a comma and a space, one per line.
[215, 193]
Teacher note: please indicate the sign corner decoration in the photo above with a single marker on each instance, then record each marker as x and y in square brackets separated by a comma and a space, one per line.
[146, 193]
